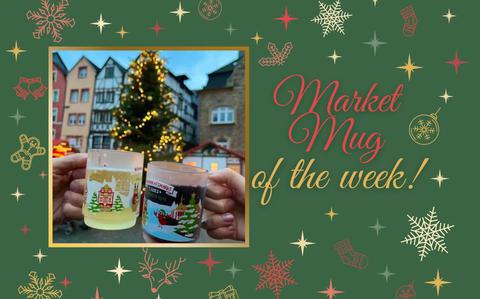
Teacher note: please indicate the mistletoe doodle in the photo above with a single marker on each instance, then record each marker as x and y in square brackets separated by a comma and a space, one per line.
[158, 276]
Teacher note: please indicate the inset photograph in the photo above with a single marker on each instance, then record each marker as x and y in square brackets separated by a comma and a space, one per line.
[149, 147]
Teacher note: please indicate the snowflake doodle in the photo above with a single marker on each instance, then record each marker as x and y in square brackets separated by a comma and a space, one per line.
[427, 234]
[40, 288]
[50, 19]
[274, 275]
[331, 17]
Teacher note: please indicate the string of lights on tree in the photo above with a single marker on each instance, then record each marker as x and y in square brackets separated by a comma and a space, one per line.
[144, 120]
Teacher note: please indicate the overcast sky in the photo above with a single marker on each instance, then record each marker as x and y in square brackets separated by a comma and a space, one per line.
[195, 64]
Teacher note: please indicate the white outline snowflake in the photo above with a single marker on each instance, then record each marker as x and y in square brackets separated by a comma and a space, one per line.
[40, 288]
[427, 234]
[331, 17]
[50, 19]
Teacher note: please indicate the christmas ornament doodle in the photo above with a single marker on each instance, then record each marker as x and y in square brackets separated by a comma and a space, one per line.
[50, 19]
[210, 9]
[277, 57]
[406, 292]
[29, 148]
[30, 86]
[424, 129]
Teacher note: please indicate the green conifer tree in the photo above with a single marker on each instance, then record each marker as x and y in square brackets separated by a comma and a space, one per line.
[188, 222]
[94, 205]
[117, 204]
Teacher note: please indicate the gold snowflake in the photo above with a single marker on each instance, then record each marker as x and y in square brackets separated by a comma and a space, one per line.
[40, 288]
[51, 19]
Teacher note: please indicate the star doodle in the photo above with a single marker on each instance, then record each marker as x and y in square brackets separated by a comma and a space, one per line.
[209, 262]
[122, 32]
[438, 282]
[377, 227]
[274, 275]
[40, 287]
[302, 243]
[17, 194]
[427, 234]
[331, 214]
[40, 256]
[230, 29]
[65, 282]
[42, 174]
[156, 28]
[16, 51]
[330, 291]
[449, 16]
[51, 19]
[180, 12]
[375, 43]
[386, 273]
[256, 38]
[119, 271]
[334, 56]
[17, 117]
[331, 17]
[286, 18]
[456, 62]
[233, 269]
[439, 178]
[409, 67]
[100, 23]
[445, 96]
[25, 229]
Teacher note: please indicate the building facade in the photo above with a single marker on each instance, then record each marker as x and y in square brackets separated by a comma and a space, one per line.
[59, 84]
[108, 88]
[78, 104]
[222, 107]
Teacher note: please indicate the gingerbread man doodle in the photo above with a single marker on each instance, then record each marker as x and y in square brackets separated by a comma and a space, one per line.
[29, 148]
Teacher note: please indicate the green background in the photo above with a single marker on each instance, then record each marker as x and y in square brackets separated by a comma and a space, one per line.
[290, 211]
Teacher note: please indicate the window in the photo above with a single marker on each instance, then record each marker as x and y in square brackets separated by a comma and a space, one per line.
[222, 115]
[74, 96]
[214, 166]
[72, 119]
[54, 115]
[82, 72]
[97, 142]
[81, 119]
[85, 95]
[56, 95]
[106, 142]
[54, 74]
[109, 72]
[109, 97]
[223, 142]
[75, 141]
[99, 97]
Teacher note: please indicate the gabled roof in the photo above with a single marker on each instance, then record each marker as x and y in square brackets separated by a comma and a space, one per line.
[122, 69]
[57, 60]
[212, 144]
[219, 78]
[89, 61]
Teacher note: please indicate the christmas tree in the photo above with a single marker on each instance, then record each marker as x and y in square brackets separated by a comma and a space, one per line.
[145, 117]
[118, 204]
[188, 222]
[94, 205]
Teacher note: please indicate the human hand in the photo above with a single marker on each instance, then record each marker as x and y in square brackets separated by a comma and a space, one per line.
[68, 177]
[226, 200]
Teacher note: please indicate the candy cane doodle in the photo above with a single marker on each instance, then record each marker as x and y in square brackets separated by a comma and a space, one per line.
[30, 86]
[29, 148]
[158, 276]
[278, 57]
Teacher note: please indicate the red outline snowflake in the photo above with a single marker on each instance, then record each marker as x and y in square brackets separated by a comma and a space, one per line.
[274, 275]
[50, 19]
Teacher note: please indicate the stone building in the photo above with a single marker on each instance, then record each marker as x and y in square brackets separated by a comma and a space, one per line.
[78, 104]
[108, 88]
[59, 84]
[222, 107]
